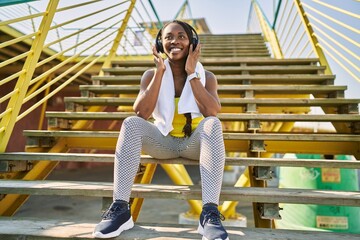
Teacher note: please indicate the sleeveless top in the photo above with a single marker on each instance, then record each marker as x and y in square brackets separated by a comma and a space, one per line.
[180, 120]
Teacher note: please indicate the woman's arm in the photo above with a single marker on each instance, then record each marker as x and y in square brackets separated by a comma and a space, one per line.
[206, 96]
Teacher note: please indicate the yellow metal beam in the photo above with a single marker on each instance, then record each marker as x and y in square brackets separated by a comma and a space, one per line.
[15, 103]
[310, 32]
[269, 33]
[144, 178]
[118, 37]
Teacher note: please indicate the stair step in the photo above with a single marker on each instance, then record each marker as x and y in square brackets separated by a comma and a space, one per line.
[223, 89]
[236, 50]
[233, 43]
[229, 161]
[326, 137]
[250, 54]
[230, 62]
[250, 194]
[222, 116]
[240, 102]
[292, 69]
[292, 79]
[221, 36]
[15, 228]
[334, 144]
[230, 41]
[233, 48]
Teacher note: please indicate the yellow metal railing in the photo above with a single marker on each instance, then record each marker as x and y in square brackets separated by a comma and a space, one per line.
[313, 28]
[58, 54]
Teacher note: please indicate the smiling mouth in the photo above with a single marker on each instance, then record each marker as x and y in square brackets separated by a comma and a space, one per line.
[175, 50]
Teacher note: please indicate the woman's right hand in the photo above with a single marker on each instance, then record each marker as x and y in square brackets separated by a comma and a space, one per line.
[158, 60]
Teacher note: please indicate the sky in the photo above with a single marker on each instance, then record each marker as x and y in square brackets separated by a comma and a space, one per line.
[222, 17]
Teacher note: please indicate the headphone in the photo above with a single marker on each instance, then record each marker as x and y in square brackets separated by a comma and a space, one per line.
[194, 41]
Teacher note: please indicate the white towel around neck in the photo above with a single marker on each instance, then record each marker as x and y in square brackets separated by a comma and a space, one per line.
[165, 107]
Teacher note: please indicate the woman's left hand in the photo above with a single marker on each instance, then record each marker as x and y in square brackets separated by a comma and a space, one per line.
[192, 59]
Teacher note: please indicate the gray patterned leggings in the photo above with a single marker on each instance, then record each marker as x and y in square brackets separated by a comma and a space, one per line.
[206, 143]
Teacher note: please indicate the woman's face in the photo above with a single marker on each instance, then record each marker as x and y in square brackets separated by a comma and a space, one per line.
[175, 41]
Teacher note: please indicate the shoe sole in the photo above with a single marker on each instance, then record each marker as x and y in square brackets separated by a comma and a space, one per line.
[200, 230]
[126, 226]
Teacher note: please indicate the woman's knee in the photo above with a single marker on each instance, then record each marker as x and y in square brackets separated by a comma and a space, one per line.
[132, 121]
[212, 121]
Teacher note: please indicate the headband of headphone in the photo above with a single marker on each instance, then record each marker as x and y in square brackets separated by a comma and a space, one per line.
[194, 41]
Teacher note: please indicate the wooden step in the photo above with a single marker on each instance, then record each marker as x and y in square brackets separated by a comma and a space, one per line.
[233, 44]
[229, 161]
[326, 137]
[289, 79]
[231, 70]
[230, 41]
[334, 144]
[15, 228]
[61, 119]
[351, 104]
[232, 48]
[237, 50]
[229, 62]
[249, 194]
[249, 54]
[222, 36]
[337, 91]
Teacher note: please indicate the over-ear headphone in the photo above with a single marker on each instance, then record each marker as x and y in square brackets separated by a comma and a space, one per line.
[194, 41]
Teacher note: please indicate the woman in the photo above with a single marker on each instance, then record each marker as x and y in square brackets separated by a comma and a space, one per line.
[179, 92]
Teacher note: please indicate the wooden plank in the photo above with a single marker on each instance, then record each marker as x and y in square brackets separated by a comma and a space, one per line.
[222, 116]
[233, 61]
[229, 161]
[222, 89]
[299, 102]
[235, 55]
[302, 102]
[16, 228]
[251, 194]
[231, 69]
[90, 115]
[331, 137]
[234, 50]
[290, 117]
[327, 137]
[294, 79]
[230, 48]
[90, 140]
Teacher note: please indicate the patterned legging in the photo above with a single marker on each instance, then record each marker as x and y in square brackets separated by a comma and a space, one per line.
[206, 143]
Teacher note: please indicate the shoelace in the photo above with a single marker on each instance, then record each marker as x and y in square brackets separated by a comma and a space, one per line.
[112, 212]
[213, 217]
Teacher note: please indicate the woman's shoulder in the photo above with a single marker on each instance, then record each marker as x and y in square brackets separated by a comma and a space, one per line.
[209, 75]
[150, 71]
[149, 74]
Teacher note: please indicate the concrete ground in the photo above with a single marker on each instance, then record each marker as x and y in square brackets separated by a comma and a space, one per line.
[89, 209]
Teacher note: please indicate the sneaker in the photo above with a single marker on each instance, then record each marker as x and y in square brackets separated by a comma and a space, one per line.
[210, 226]
[114, 221]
